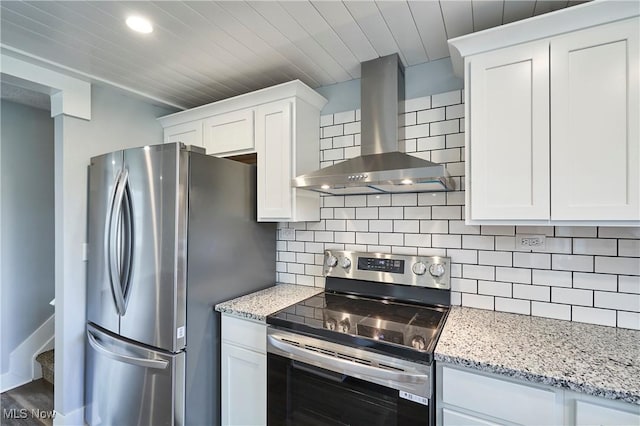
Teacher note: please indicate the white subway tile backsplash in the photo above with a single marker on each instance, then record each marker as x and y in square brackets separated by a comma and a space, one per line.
[551, 310]
[381, 225]
[494, 288]
[629, 320]
[629, 284]
[434, 226]
[431, 143]
[618, 301]
[464, 256]
[516, 275]
[478, 242]
[589, 274]
[532, 260]
[417, 131]
[618, 265]
[515, 306]
[447, 98]
[431, 115]
[593, 316]
[391, 239]
[355, 201]
[531, 292]
[379, 200]
[495, 258]
[446, 241]
[594, 246]
[406, 226]
[417, 104]
[479, 272]
[444, 127]
[404, 199]
[619, 232]
[595, 281]
[565, 262]
[391, 213]
[630, 248]
[572, 296]
[344, 117]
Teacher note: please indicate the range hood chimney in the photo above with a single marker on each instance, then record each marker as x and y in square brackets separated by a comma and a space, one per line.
[380, 168]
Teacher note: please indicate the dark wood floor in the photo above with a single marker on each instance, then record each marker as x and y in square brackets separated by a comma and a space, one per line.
[28, 405]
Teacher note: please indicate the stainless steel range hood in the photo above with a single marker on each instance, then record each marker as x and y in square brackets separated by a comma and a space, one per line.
[380, 168]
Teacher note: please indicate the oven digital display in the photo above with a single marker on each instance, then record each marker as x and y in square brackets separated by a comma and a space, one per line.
[393, 266]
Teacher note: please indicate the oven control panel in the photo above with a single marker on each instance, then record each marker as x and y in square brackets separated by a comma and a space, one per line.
[422, 271]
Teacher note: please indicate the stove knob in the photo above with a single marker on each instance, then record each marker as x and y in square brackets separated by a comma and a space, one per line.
[345, 325]
[345, 262]
[436, 270]
[419, 268]
[417, 342]
[331, 261]
[331, 324]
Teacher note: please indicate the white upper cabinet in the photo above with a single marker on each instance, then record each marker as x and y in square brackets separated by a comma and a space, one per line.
[280, 124]
[230, 133]
[188, 133]
[553, 124]
[594, 124]
[509, 132]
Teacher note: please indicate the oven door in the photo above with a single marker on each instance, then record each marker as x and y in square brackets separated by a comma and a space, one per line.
[316, 382]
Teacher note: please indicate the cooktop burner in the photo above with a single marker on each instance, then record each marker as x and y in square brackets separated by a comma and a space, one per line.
[386, 303]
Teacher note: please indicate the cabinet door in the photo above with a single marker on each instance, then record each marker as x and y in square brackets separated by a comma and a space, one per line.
[508, 149]
[188, 133]
[454, 418]
[230, 133]
[595, 125]
[274, 146]
[244, 386]
[592, 414]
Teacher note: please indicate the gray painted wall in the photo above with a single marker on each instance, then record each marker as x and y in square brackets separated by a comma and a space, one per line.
[117, 122]
[27, 195]
[420, 80]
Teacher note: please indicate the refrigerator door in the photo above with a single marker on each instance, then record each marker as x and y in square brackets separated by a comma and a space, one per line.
[127, 384]
[155, 302]
[107, 266]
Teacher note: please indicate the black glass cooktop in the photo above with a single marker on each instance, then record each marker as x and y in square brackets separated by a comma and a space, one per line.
[406, 330]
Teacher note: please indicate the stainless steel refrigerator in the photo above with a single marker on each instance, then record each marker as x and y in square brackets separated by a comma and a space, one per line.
[171, 232]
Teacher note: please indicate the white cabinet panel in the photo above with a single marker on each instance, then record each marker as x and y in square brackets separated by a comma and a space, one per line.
[188, 133]
[454, 418]
[513, 402]
[274, 143]
[508, 146]
[595, 147]
[587, 414]
[244, 332]
[230, 133]
[244, 386]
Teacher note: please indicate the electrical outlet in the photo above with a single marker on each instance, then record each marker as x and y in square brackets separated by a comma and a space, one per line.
[530, 242]
[287, 234]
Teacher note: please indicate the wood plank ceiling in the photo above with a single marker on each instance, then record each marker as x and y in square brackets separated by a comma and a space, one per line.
[203, 51]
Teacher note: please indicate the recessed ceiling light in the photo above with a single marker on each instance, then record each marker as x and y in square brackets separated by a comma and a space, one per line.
[406, 182]
[325, 186]
[139, 24]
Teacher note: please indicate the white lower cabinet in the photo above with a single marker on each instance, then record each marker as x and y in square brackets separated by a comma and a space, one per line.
[469, 397]
[244, 372]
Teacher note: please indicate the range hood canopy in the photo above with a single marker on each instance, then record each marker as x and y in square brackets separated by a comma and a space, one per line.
[381, 168]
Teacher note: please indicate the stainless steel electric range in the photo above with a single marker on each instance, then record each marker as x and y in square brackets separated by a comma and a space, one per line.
[361, 353]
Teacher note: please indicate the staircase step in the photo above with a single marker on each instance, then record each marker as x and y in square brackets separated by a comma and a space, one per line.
[46, 361]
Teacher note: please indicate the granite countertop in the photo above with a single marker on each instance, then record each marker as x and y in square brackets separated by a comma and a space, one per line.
[258, 305]
[592, 359]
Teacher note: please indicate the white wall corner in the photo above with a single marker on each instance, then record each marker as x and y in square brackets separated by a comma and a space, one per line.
[69, 95]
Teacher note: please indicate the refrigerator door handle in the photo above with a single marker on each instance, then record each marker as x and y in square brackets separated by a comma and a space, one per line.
[140, 362]
[113, 242]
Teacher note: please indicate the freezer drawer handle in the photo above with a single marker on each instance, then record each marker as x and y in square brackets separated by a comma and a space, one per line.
[140, 362]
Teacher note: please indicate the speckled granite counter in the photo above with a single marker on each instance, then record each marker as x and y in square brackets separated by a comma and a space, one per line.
[593, 359]
[262, 303]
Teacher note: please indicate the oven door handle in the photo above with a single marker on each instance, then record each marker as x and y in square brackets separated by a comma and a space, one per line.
[341, 365]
